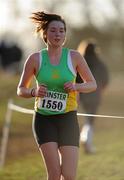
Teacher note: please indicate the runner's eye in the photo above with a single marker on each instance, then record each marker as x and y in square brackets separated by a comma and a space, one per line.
[52, 31]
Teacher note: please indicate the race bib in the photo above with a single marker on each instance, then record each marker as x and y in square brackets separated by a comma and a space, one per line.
[53, 101]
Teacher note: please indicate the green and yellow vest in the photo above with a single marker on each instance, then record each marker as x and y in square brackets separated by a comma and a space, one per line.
[57, 100]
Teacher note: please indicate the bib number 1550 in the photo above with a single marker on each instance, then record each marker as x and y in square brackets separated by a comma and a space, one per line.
[52, 105]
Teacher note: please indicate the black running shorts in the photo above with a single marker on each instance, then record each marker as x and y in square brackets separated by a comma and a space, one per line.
[61, 128]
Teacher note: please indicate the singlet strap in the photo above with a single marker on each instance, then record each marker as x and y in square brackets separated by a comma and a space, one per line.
[69, 62]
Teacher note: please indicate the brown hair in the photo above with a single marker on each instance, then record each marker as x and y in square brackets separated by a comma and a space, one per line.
[42, 21]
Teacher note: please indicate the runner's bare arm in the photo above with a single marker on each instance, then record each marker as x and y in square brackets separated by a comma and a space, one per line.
[80, 66]
[29, 70]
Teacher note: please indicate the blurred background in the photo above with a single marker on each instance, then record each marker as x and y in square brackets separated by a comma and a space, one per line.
[101, 20]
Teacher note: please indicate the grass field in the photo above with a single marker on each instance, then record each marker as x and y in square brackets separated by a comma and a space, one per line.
[23, 161]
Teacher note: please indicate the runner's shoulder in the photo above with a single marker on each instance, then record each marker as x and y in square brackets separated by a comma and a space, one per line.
[33, 59]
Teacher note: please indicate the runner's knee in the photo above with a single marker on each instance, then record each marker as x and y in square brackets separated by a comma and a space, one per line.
[68, 175]
[54, 174]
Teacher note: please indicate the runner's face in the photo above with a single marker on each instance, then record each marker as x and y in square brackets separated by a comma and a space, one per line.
[56, 33]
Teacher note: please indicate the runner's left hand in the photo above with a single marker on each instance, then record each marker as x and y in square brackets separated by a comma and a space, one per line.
[69, 86]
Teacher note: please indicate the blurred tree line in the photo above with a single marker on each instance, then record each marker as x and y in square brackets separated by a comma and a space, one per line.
[106, 28]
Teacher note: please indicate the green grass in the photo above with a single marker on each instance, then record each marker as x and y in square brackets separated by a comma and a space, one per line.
[23, 160]
[108, 163]
[26, 168]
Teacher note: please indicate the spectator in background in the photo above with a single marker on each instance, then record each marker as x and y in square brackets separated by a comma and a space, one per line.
[91, 101]
[10, 56]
